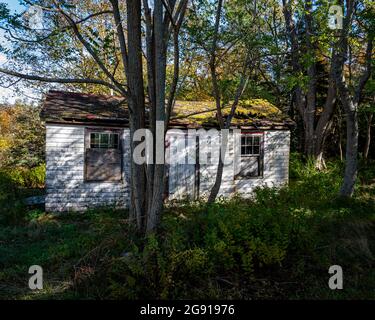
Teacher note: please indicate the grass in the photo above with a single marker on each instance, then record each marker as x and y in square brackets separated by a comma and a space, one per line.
[62, 245]
[278, 245]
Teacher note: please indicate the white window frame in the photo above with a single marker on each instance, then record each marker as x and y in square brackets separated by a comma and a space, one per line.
[249, 152]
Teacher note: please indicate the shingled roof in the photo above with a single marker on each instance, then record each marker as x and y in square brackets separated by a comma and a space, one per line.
[82, 108]
[63, 107]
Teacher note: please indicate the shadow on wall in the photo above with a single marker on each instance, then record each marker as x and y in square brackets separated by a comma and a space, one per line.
[66, 186]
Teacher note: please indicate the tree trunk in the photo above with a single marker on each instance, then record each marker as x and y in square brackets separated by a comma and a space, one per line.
[324, 125]
[160, 46]
[351, 166]
[368, 137]
[150, 57]
[224, 136]
[350, 102]
[310, 110]
[134, 75]
[315, 129]
[219, 173]
[159, 23]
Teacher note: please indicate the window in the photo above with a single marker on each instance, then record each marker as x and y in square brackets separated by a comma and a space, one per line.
[251, 156]
[100, 140]
[103, 157]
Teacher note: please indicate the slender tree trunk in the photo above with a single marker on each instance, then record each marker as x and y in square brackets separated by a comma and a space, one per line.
[368, 136]
[220, 168]
[161, 17]
[134, 74]
[225, 136]
[351, 167]
[350, 101]
[324, 125]
[339, 125]
[315, 129]
[150, 55]
[309, 112]
[351, 161]
[160, 76]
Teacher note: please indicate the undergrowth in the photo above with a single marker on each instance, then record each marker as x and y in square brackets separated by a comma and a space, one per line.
[279, 244]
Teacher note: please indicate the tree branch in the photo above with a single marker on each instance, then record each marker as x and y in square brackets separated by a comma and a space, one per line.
[120, 32]
[91, 51]
[366, 75]
[212, 63]
[176, 64]
[58, 80]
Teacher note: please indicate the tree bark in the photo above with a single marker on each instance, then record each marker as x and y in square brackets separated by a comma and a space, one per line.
[146, 183]
[134, 75]
[351, 167]
[315, 128]
[160, 22]
[368, 137]
[350, 102]
[216, 93]
[310, 110]
[160, 59]
[324, 125]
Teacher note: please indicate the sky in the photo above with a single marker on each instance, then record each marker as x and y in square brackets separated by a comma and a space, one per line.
[8, 94]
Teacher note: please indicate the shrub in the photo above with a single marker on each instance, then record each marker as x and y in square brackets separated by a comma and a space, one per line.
[15, 185]
[212, 251]
[22, 136]
[278, 244]
[35, 177]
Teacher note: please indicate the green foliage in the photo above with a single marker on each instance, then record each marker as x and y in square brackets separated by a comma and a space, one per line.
[27, 178]
[67, 247]
[221, 250]
[279, 244]
[22, 136]
[15, 185]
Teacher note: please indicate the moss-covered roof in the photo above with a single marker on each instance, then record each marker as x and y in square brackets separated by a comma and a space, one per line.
[70, 107]
[253, 112]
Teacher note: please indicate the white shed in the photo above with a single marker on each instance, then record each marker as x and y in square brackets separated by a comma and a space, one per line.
[88, 150]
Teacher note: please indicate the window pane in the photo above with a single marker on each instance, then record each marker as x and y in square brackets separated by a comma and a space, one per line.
[256, 140]
[250, 144]
[115, 141]
[249, 141]
[243, 140]
[250, 152]
[94, 140]
[110, 140]
[99, 140]
[104, 140]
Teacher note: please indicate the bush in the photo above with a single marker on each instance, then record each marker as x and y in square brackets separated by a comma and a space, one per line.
[22, 136]
[221, 250]
[279, 244]
[25, 177]
[15, 185]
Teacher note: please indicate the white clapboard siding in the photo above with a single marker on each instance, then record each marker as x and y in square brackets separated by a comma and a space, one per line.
[65, 185]
[275, 168]
[275, 162]
[67, 190]
[181, 168]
